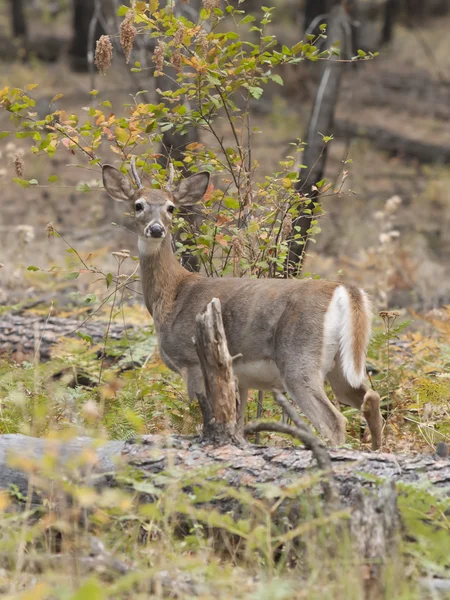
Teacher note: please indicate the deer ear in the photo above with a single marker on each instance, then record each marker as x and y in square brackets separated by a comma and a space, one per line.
[117, 184]
[192, 189]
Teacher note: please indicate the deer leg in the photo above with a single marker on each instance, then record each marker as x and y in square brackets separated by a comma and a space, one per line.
[195, 384]
[308, 392]
[243, 397]
[362, 398]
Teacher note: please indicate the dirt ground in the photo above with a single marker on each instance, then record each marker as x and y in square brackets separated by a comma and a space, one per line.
[412, 265]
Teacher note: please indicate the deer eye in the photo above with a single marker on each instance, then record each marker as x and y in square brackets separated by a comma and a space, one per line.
[138, 206]
[171, 208]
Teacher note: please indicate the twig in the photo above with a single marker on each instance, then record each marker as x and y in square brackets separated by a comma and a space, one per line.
[137, 179]
[303, 433]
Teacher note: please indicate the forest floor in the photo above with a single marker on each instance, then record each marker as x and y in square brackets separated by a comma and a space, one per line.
[128, 391]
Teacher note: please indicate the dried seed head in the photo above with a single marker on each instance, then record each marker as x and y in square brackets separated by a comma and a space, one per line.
[287, 225]
[90, 411]
[202, 40]
[389, 317]
[103, 54]
[211, 4]
[238, 246]
[19, 165]
[121, 256]
[50, 230]
[158, 55]
[127, 34]
[27, 233]
[176, 60]
[393, 204]
[179, 35]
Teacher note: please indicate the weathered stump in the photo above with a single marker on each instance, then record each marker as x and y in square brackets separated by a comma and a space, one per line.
[219, 403]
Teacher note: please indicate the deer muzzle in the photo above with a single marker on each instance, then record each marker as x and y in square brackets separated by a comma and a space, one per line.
[155, 230]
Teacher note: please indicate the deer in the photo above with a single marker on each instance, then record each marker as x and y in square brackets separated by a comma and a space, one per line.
[284, 334]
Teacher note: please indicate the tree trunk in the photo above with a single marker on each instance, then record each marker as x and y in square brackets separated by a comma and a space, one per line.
[21, 335]
[19, 22]
[83, 12]
[313, 14]
[322, 118]
[390, 14]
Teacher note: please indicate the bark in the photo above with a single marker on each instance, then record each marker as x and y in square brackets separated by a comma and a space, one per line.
[375, 528]
[220, 401]
[322, 118]
[237, 466]
[23, 334]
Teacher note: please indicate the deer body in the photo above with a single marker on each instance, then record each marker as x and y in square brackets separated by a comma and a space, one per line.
[290, 334]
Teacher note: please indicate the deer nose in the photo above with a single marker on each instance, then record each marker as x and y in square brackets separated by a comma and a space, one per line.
[156, 230]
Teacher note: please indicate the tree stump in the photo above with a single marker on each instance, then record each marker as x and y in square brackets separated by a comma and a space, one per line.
[220, 402]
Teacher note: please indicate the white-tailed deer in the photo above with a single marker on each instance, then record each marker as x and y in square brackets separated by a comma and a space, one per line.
[291, 334]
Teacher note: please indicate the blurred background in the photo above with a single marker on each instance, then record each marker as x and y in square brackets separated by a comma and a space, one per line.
[388, 230]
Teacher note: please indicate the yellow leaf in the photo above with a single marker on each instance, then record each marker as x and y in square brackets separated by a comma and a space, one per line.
[5, 501]
[39, 592]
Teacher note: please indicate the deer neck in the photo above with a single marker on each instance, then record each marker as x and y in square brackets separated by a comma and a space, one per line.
[161, 276]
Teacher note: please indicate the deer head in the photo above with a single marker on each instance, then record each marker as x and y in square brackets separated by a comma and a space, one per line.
[153, 208]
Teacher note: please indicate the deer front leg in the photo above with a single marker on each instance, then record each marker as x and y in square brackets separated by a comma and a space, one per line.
[195, 384]
[243, 397]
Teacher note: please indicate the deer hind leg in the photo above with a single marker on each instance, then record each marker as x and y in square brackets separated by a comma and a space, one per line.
[308, 392]
[362, 398]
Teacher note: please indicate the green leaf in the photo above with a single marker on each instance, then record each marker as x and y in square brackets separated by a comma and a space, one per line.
[73, 275]
[85, 336]
[33, 182]
[256, 92]
[83, 187]
[277, 79]
[53, 178]
[23, 182]
[231, 203]
[122, 10]
[90, 299]
[91, 590]
[247, 19]
[33, 268]
[109, 279]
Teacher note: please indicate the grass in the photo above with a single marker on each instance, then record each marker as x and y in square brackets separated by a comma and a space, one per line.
[164, 537]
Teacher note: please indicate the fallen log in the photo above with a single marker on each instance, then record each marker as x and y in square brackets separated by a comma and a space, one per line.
[24, 334]
[246, 466]
[393, 142]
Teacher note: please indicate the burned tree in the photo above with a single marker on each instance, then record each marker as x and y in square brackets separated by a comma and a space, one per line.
[321, 120]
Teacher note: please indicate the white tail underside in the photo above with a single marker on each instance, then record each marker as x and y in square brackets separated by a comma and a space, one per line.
[338, 336]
